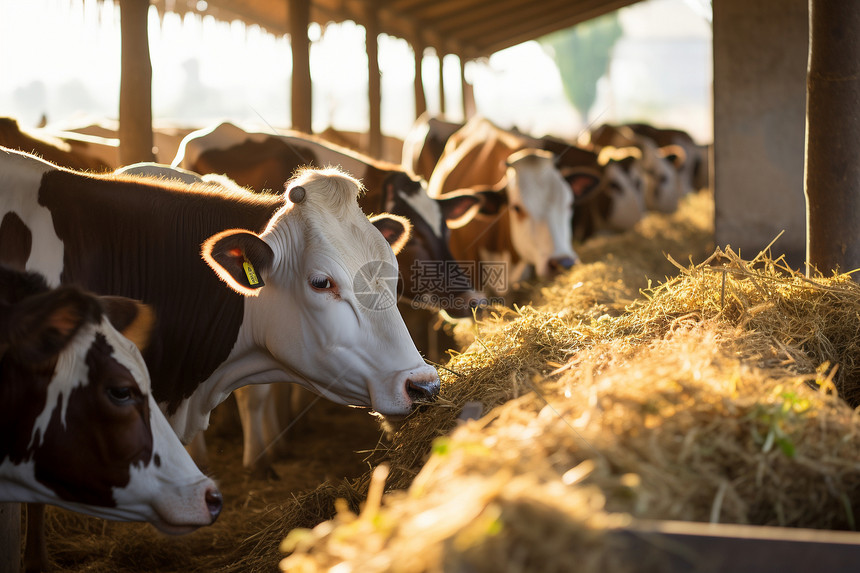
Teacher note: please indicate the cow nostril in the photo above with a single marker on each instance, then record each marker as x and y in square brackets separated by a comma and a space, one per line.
[561, 263]
[214, 502]
[422, 391]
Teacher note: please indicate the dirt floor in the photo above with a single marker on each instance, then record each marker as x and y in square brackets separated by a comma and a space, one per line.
[332, 444]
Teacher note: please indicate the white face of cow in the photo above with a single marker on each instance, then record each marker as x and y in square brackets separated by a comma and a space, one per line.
[541, 207]
[663, 186]
[626, 191]
[327, 315]
[99, 445]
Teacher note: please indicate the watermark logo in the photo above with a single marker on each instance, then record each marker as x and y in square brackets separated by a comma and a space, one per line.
[458, 276]
[440, 284]
[375, 285]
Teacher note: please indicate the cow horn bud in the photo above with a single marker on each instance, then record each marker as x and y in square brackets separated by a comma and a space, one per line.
[297, 194]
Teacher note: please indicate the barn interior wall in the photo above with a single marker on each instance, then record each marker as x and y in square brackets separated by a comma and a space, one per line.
[760, 62]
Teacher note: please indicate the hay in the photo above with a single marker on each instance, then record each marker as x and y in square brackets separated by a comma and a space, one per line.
[531, 486]
[710, 397]
[631, 387]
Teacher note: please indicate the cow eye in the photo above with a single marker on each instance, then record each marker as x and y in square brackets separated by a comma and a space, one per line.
[321, 283]
[120, 395]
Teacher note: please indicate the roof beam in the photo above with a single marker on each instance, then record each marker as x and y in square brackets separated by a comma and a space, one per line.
[491, 20]
[496, 42]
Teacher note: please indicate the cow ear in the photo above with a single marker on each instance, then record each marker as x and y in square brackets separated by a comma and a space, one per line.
[460, 208]
[492, 201]
[394, 228]
[131, 318]
[239, 258]
[583, 183]
[41, 326]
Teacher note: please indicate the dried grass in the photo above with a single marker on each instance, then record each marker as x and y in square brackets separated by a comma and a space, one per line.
[632, 387]
[710, 397]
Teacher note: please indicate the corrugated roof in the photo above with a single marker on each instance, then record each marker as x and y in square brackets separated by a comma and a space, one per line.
[467, 28]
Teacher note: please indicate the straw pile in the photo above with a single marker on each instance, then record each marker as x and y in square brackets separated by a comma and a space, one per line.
[632, 387]
[710, 397]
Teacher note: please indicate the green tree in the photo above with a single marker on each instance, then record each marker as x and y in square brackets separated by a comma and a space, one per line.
[582, 54]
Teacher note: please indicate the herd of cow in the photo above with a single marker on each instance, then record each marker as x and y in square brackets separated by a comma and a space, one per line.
[254, 259]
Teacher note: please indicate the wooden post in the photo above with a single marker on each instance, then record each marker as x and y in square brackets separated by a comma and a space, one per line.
[468, 93]
[135, 87]
[299, 14]
[833, 136]
[420, 99]
[441, 83]
[374, 90]
[10, 537]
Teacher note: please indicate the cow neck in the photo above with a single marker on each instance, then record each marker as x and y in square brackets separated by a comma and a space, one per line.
[493, 234]
[143, 241]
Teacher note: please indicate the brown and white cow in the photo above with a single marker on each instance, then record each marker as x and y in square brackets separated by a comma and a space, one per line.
[49, 147]
[303, 300]
[526, 215]
[425, 143]
[79, 427]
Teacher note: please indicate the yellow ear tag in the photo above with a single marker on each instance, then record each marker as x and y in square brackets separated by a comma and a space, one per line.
[253, 279]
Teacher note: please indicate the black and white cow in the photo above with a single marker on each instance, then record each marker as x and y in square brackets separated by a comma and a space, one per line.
[79, 427]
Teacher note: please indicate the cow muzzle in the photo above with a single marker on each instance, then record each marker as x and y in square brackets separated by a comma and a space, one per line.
[559, 264]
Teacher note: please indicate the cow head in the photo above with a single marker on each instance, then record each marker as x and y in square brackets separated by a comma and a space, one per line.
[662, 183]
[430, 277]
[79, 427]
[320, 285]
[625, 183]
[540, 206]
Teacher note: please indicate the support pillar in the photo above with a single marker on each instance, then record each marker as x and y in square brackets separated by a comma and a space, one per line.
[833, 136]
[760, 60]
[441, 84]
[420, 98]
[299, 14]
[135, 86]
[373, 81]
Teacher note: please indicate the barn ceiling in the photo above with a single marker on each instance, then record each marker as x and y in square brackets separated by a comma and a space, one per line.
[468, 28]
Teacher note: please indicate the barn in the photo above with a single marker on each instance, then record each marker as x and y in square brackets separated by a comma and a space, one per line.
[682, 399]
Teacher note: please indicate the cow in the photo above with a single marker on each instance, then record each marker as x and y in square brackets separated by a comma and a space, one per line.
[663, 186]
[101, 139]
[425, 143]
[256, 407]
[693, 170]
[262, 161]
[51, 148]
[525, 217]
[608, 190]
[284, 287]
[79, 427]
